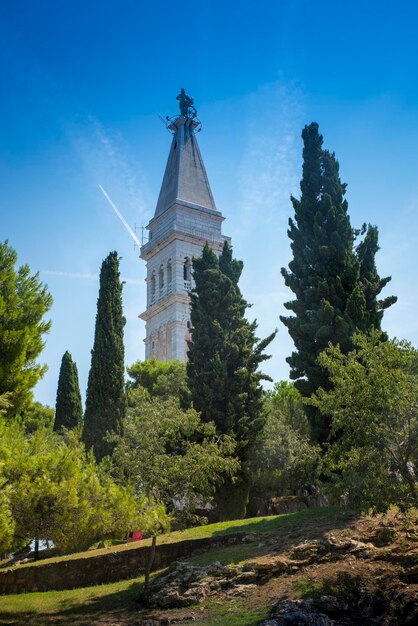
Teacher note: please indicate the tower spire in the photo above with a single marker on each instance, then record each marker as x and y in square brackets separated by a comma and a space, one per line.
[185, 180]
[185, 219]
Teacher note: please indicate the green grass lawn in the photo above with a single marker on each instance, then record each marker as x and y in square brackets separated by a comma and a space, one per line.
[116, 601]
[251, 525]
[73, 605]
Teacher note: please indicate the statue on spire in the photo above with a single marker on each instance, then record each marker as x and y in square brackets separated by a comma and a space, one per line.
[186, 105]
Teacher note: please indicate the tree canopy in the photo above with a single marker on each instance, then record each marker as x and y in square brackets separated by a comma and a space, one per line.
[169, 455]
[50, 489]
[374, 410]
[159, 379]
[224, 352]
[284, 458]
[24, 301]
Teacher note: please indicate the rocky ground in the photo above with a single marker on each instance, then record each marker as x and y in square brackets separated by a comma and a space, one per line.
[365, 573]
[336, 569]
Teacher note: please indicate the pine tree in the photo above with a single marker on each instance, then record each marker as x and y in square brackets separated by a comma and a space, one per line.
[24, 302]
[335, 287]
[68, 408]
[105, 401]
[224, 356]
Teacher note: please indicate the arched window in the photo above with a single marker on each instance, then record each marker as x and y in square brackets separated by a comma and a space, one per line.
[187, 269]
[161, 277]
[169, 272]
[152, 287]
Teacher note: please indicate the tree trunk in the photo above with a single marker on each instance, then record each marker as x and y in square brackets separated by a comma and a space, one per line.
[36, 551]
[150, 563]
[411, 484]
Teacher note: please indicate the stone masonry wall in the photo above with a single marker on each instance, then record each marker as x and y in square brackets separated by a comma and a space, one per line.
[104, 568]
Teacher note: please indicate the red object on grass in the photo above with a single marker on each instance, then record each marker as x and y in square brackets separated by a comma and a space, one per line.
[135, 535]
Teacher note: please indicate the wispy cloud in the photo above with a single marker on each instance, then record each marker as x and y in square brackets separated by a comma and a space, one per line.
[269, 170]
[106, 159]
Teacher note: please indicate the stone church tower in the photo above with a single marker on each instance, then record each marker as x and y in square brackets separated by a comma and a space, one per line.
[185, 219]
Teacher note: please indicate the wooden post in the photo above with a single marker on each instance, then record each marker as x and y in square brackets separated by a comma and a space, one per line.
[150, 563]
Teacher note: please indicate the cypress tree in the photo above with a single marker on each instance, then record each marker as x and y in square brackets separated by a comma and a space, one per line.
[223, 359]
[371, 282]
[68, 408]
[105, 401]
[335, 286]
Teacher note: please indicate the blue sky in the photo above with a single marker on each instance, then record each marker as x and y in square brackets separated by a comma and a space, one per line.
[82, 84]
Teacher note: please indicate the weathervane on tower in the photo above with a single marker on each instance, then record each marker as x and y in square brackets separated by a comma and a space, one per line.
[187, 117]
[186, 105]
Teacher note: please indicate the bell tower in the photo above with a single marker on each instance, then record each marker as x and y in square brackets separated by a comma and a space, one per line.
[185, 219]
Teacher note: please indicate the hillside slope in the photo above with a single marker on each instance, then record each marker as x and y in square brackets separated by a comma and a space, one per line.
[333, 566]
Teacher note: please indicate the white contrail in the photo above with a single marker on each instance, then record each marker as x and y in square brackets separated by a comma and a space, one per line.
[83, 276]
[122, 219]
[89, 276]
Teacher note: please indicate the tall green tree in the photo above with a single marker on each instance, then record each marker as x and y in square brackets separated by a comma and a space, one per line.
[224, 356]
[374, 410]
[370, 281]
[335, 286]
[68, 408]
[24, 301]
[105, 401]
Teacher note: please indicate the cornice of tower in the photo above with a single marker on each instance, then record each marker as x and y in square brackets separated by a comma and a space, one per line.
[184, 204]
[158, 307]
[148, 252]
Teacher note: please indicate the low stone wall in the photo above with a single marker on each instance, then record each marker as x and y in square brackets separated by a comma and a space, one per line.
[284, 504]
[104, 568]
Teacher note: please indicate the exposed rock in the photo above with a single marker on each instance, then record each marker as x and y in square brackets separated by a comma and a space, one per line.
[298, 612]
[348, 545]
[310, 612]
[329, 548]
[240, 590]
[308, 550]
[185, 584]
[273, 566]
